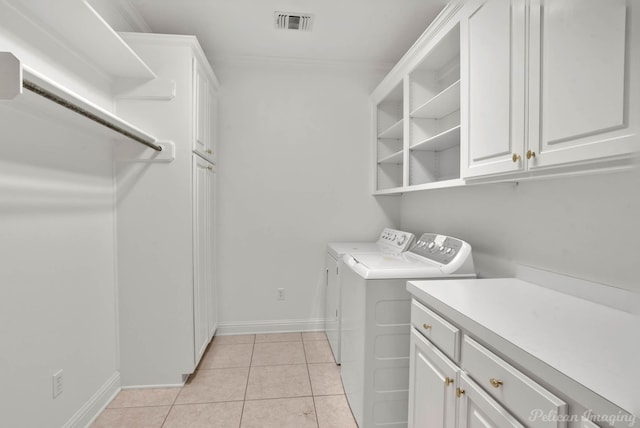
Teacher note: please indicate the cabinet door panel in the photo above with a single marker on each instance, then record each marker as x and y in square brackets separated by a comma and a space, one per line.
[201, 295]
[493, 86]
[478, 410]
[212, 300]
[431, 397]
[200, 97]
[579, 82]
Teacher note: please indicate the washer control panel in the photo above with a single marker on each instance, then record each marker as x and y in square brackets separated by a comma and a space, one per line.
[439, 248]
[396, 239]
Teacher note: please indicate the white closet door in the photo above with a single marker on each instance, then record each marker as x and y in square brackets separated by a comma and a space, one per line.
[201, 295]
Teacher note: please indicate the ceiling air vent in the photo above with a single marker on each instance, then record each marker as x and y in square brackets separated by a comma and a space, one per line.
[293, 21]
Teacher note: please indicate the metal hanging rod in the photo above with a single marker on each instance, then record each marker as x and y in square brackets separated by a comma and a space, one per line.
[64, 103]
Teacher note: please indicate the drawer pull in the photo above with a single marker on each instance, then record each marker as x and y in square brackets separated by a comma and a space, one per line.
[531, 154]
[459, 392]
[426, 326]
[515, 158]
[448, 381]
[496, 383]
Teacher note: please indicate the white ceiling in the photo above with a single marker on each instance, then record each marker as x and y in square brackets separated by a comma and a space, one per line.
[371, 31]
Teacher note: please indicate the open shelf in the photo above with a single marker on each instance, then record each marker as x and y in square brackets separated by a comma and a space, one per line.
[395, 131]
[443, 104]
[27, 90]
[443, 141]
[77, 25]
[395, 158]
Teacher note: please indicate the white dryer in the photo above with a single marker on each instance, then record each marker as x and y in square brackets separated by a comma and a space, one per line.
[390, 241]
[376, 323]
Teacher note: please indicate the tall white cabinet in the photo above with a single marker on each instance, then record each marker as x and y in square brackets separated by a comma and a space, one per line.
[166, 217]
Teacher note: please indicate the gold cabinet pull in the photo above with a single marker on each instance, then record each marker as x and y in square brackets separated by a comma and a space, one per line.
[426, 326]
[448, 381]
[210, 168]
[459, 392]
[515, 158]
[210, 151]
[496, 383]
[530, 154]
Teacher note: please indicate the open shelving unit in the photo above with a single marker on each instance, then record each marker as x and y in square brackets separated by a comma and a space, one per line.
[434, 114]
[390, 140]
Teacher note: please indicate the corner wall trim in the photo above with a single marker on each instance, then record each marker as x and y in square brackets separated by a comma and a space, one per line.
[96, 404]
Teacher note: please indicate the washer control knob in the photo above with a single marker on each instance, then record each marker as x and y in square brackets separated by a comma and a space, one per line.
[442, 248]
[449, 251]
[430, 245]
[402, 239]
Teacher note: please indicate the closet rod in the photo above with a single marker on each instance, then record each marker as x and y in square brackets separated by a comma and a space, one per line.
[64, 103]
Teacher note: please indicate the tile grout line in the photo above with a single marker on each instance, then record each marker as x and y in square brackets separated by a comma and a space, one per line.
[313, 398]
[246, 388]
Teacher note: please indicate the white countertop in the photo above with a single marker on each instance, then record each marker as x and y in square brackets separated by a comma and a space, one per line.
[595, 345]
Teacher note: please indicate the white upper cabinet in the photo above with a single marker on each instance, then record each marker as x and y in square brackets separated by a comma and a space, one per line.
[493, 87]
[579, 81]
[205, 111]
[568, 103]
[510, 89]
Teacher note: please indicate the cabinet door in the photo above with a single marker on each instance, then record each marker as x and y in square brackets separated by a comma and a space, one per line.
[581, 103]
[212, 290]
[492, 87]
[432, 398]
[478, 410]
[332, 305]
[212, 123]
[201, 295]
[199, 115]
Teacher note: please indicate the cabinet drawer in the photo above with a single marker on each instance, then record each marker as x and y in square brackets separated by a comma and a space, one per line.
[439, 331]
[525, 399]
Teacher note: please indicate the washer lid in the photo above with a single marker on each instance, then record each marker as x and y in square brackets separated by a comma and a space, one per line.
[388, 266]
[339, 249]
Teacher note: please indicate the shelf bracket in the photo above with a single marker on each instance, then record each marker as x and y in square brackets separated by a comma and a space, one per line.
[11, 72]
[127, 153]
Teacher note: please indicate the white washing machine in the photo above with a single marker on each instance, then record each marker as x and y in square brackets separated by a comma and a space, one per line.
[376, 323]
[390, 242]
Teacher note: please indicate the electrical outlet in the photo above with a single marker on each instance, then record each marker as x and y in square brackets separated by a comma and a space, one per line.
[280, 293]
[57, 383]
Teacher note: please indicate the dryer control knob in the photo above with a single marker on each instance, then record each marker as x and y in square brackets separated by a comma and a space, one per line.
[402, 239]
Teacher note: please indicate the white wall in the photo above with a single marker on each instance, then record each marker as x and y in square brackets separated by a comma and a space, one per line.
[57, 245]
[293, 175]
[586, 227]
[57, 282]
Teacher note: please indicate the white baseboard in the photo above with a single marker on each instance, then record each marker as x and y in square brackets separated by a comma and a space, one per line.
[168, 385]
[281, 326]
[96, 404]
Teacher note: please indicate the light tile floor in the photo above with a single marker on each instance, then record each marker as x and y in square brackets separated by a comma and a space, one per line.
[287, 380]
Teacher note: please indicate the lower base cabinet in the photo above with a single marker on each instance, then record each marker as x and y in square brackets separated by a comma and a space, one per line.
[478, 410]
[483, 391]
[432, 393]
[435, 383]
